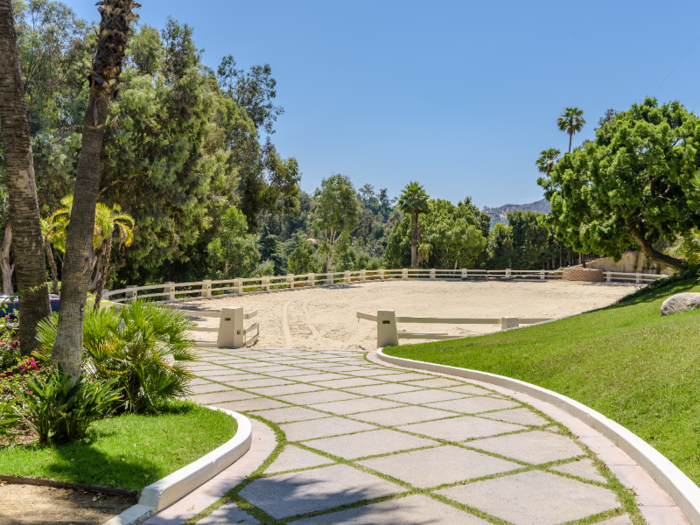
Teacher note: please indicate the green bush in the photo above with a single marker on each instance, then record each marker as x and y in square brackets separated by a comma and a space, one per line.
[141, 345]
[60, 409]
[9, 418]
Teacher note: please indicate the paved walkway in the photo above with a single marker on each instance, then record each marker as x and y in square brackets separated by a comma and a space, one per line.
[370, 444]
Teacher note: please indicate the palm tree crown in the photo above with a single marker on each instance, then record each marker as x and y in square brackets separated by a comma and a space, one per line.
[547, 159]
[414, 200]
[571, 121]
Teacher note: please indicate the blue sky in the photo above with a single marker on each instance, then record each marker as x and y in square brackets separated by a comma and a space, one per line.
[458, 95]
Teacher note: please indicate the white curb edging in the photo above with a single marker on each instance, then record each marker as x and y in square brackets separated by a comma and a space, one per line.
[669, 477]
[171, 488]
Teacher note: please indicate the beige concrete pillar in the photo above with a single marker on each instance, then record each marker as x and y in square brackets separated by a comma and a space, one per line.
[608, 276]
[387, 332]
[290, 281]
[464, 273]
[170, 289]
[231, 328]
[311, 279]
[509, 322]
[347, 277]
[266, 283]
[381, 274]
[130, 294]
[363, 275]
[404, 274]
[432, 273]
[541, 275]
[238, 286]
[206, 288]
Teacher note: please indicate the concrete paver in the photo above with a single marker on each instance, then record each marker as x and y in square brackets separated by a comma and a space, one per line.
[287, 414]
[474, 405]
[323, 396]
[382, 390]
[533, 447]
[413, 510]
[583, 469]
[227, 514]
[421, 397]
[522, 416]
[221, 397]
[534, 497]
[356, 405]
[371, 443]
[438, 466]
[293, 458]
[258, 403]
[438, 382]
[330, 426]
[297, 388]
[461, 428]
[323, 488]
[402, 415]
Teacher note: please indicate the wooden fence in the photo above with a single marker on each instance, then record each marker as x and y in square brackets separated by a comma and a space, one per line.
[388, 332]
[173, 292]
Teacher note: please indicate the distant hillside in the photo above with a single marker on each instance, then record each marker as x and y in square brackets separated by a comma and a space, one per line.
[500, 214]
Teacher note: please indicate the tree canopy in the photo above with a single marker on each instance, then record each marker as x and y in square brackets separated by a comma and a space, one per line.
[636, 183]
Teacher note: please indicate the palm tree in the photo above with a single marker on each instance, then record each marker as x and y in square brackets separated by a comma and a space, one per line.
[414, 200]
[108, 220]
[30, 269]
[103, 76]
[424, 251]
[548, 157]
[571, 121]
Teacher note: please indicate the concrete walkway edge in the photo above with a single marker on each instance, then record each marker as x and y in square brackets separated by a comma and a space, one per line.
[669, 477]
[173, 487]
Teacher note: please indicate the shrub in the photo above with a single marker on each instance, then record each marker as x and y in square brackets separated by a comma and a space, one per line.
[9, 418]
[141, 345]
[60, 409]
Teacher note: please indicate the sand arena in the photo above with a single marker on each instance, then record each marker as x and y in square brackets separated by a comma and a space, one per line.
[325, 318]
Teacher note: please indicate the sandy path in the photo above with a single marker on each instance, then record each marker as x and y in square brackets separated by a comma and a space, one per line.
[325, 318]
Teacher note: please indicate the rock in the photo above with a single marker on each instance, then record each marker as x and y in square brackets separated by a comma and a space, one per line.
[681, 302]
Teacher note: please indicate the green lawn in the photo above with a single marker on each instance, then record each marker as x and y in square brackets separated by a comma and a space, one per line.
[128, 451]
[625, 361]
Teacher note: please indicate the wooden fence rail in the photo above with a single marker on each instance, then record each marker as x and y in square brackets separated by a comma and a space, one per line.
[388, 333]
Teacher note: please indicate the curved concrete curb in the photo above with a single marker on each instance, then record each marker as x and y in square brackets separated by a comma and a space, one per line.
[171, 488]
[669, 477]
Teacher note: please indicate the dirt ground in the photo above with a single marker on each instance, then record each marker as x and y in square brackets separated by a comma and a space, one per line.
[33, 505]
[325, 318]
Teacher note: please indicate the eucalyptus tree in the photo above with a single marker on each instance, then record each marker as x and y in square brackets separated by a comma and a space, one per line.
[28, 245]
[337, 212]
[117, 17]
[571, 121]
[413, 201]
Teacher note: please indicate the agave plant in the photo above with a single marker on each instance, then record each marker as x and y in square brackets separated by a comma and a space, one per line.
[143, 345]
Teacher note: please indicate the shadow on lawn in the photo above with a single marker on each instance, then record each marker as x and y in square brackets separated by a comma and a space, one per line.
[81, 462]
[646, 295]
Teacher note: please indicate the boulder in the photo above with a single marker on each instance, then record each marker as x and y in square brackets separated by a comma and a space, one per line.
[681, 302]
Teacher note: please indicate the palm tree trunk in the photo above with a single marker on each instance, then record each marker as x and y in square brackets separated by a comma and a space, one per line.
[21, 187]
[414, 239]
[571, 137]
[106, 256]
[117, 16]
[7, 268]
[52, 265]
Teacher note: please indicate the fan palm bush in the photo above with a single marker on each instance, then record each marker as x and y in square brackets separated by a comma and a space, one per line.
[142, 345]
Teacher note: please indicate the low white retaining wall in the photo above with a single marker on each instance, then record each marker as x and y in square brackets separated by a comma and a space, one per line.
[172, 292]
[677, 485]
[168, 490]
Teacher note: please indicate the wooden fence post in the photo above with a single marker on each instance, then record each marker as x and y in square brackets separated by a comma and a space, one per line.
[387, 332]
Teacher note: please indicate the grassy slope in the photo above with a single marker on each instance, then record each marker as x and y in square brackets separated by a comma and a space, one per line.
[127, 451]
[626, 361]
